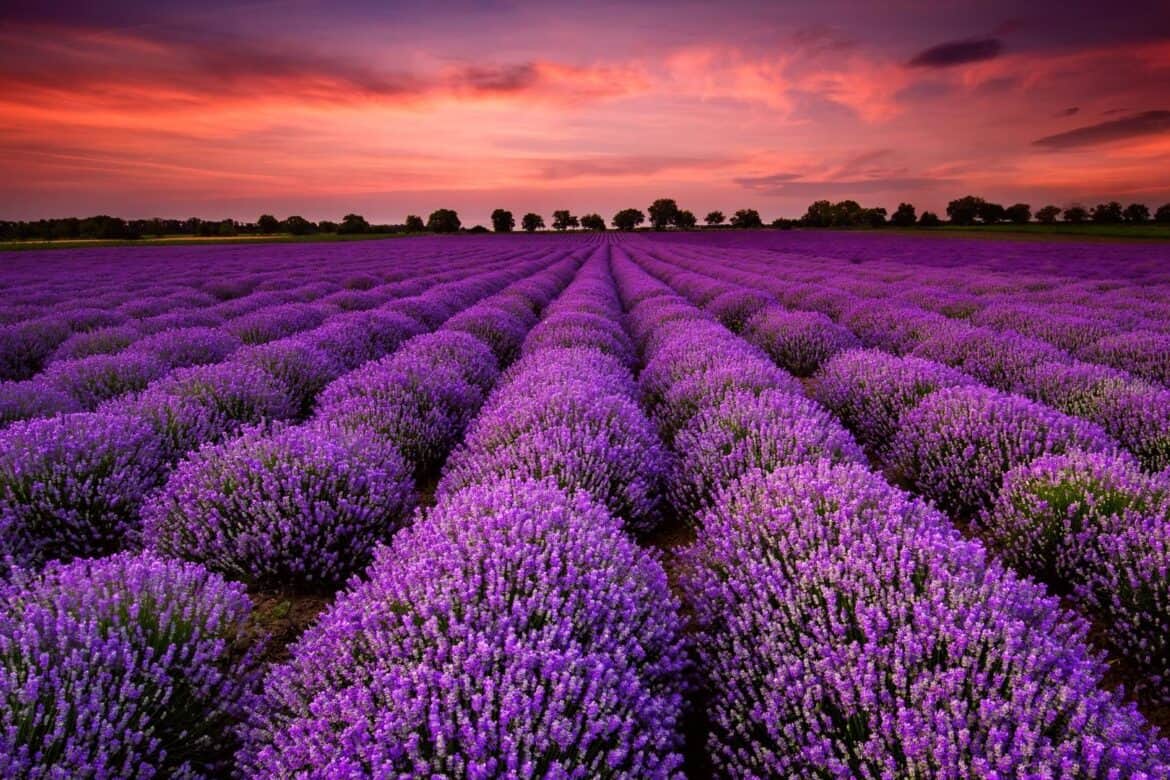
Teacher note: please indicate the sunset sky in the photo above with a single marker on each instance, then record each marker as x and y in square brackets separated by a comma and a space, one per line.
[221, 109]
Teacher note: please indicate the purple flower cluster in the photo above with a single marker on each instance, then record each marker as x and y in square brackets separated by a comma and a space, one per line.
[1097, 526]
[847, 631]
[869, 390]
[513, 631]
[576, 423]
[298, 507]
[92, 380]
[956, 445]
[799, 341]
[205, 404]
[358, 337]
[274, 322]
[189, 346]
[24, 400]
[128, 666]
[419, 399]
[1002, 359]
[743, 431]
[1139, 352]
[73, 486]
[103, 341]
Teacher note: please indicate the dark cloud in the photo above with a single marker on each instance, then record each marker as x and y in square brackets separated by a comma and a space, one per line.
[1070, 111]
[952, 53]
[504, 78]
[1145, 123]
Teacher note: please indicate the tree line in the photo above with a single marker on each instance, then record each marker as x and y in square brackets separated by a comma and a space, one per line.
[662, 214]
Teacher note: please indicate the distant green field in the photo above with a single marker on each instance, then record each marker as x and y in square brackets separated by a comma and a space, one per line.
[276, 238]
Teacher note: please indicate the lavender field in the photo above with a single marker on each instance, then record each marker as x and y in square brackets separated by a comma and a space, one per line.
[735, 504]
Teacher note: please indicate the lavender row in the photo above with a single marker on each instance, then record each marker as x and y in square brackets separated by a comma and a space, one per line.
[514, 630]
[74, 485]
[846, 629]
[1133, 411]
[93, 366]
[150, 648]
[955, 442]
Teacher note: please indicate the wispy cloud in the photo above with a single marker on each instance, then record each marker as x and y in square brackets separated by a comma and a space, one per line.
[1141, 124]
[952, 53]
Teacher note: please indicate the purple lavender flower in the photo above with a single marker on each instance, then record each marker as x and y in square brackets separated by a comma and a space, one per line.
[846, 631]
[956, 445]
[103, 341]
[205, 404]
[356, 338]
[128, 666]
[183, 347]
[302, 370]
[512, 631]
[271, 323]
[745, 431]
[73, 485]
[869, 390]
[296, 507]
[33, 398]
[799, 341]
[1144, 353]
[93, 380]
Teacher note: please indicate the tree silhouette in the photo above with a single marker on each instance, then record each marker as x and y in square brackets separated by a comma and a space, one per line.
[563, 220]
[532, 222]
[663, 212]
[714, 218]
[628, 219]
[746, 218]
[443, 221]
[593, 222]
[503, 221]
[904, 216]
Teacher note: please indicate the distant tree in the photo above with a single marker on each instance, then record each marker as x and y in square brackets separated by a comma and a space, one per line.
[268, 224]
[965, 210]
[875, 217]
[478, 229]
[327, 226]
[819, 214]
[714, 218]
[1018, 213]
[1163, 213]
[846, 213]
[593, 222]
[1136, 213]
[1048, 215]
[503, 221]
[782, 223]
[1076, 214]
[532, 222]
[563, 220]
[353, 223]
[415, 224]
[1107, 213]
[929, 219]
[227, 227]
[628, 219]
[299, 226]
[685, 219]
[663, 212]
[904, 216]
[746, 218]
[443, 221]
[101, 226]
[991, 213]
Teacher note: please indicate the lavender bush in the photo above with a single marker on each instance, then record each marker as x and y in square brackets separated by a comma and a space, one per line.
[294, 507]
[128, 666]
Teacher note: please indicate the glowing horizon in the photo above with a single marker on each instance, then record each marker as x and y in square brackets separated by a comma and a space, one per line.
[384, 109]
